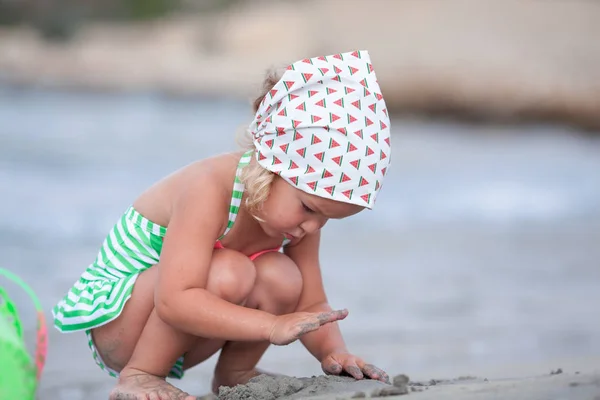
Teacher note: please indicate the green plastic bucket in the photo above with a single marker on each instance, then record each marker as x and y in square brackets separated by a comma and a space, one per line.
[19, 371]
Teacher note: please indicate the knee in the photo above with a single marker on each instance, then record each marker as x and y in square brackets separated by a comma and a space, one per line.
[280, 280]
[232, 276]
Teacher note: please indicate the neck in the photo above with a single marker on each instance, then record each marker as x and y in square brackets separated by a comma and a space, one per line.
[251, 223]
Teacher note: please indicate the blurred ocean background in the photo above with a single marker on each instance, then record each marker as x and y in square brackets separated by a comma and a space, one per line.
[483, 248]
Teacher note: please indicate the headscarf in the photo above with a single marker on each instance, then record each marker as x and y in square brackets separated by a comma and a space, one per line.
[324, 128]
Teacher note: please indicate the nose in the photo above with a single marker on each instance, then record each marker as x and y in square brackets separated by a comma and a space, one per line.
[313, 224]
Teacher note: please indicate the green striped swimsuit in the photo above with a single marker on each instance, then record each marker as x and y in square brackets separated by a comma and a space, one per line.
[132, 246]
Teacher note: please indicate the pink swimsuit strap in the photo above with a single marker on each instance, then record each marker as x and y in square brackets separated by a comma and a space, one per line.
[219, 245]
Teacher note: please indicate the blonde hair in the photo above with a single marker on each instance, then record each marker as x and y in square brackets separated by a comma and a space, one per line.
[256, 179]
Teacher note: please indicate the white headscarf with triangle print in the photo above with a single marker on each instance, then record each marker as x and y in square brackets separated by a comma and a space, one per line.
[324, 128]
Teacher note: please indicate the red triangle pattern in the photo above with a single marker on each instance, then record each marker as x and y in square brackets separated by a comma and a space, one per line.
[288, 84]
[306, 77]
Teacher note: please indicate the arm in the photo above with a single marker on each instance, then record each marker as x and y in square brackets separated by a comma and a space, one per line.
[327, 339]
[181, 299]
[325, 344]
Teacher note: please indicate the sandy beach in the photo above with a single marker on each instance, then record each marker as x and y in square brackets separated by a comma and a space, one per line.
[582, 384]
[570, 379]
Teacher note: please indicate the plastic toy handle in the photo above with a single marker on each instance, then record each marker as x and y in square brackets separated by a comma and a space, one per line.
[41, 348]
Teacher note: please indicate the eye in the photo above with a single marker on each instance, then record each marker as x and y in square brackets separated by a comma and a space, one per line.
[307, 209]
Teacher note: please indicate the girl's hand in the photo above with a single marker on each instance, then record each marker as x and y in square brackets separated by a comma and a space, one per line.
[289, 327]
[338, 363]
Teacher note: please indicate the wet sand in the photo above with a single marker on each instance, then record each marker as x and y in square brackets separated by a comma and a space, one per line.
[556, 384]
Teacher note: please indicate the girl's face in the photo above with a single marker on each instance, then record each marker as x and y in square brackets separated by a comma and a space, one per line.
[292, 213]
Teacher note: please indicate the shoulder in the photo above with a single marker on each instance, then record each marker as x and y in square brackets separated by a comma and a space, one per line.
[214, 175]
[207, 185]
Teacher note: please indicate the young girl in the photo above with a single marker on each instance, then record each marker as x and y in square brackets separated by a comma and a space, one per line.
[224, 253]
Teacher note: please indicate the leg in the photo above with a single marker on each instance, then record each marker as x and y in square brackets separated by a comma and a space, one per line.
[277, 290]
[123, 344]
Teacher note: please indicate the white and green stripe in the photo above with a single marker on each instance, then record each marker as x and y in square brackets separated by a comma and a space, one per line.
[238, 191]
[103, 289]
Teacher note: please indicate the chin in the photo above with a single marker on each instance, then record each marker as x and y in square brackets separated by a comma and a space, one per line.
[269, 230]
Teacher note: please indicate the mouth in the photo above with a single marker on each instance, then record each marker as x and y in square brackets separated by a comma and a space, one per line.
[288, 236]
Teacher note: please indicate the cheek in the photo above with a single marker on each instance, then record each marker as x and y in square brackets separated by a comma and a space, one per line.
[286, 218]
[279, 208]
[280, 215]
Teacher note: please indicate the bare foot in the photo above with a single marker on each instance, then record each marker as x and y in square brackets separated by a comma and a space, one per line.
[232, 378]
[138, 385]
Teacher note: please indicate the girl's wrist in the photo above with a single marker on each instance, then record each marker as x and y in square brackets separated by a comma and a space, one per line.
[268, 325]
[332, 350]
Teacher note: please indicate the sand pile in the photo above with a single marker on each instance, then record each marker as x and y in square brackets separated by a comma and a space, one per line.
[285, 387]
[555, 385]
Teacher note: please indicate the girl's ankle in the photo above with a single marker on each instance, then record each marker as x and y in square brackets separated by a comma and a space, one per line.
[231, 377]
[129, 371]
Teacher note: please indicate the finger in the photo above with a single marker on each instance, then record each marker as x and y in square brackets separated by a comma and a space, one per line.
[385, 378]
[332, 367]
[332, 316]
[375, 373]
[320, 319]
[352, 368]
